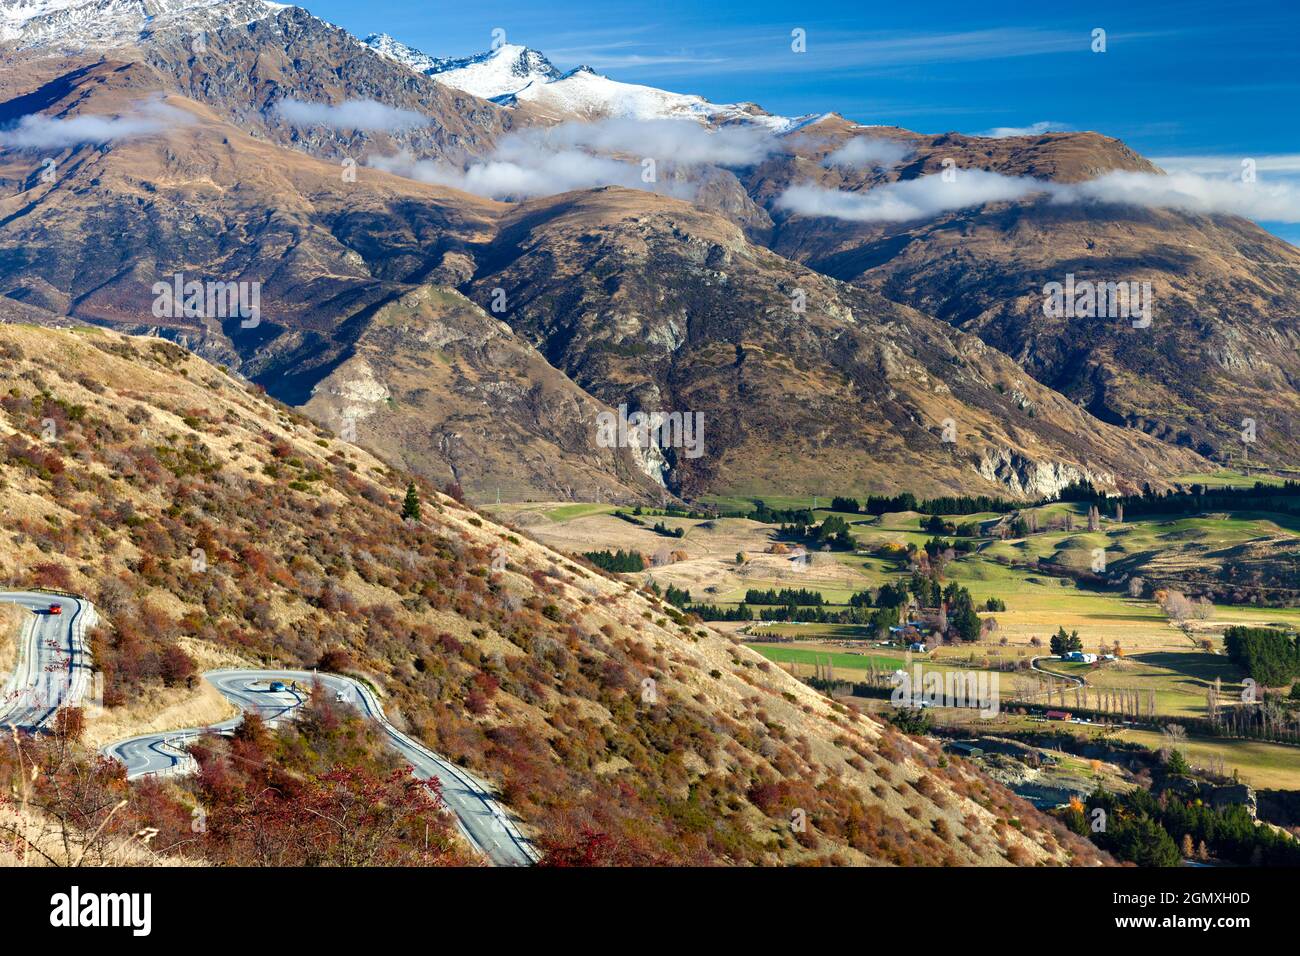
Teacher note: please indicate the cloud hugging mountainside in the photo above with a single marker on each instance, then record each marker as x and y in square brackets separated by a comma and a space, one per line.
[464, 263]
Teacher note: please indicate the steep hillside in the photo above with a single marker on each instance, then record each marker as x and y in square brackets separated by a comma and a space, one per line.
[619, 731]
[451, 393]
[244, 72]
[1222, 344]
[333, 261]
[242, 58]
[804, 383]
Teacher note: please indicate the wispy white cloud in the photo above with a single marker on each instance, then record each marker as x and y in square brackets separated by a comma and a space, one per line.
[681, 141]
[362, 114]
[929, 196]
[993, 44]
[38, 131]
[869, 152]
[1033, 129]
[613, 152]
[520, 174]
[920, 198]
[1229, 165]
[1190, 192]
[610, 58]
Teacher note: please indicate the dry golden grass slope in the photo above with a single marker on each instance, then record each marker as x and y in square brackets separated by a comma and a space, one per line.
[597, 709]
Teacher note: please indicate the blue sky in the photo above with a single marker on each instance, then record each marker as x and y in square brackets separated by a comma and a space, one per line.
[1177, 80]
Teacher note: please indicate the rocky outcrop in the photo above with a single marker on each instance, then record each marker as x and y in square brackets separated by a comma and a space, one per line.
[1235, 795]
[1218, 797]
[1024, 477]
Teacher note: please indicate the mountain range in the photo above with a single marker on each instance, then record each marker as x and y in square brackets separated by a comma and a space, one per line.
[468, 261]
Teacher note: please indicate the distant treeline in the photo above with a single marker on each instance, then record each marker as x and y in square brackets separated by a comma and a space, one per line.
[719, 612]
[669, 512]
[878, 621]
[1198, 497]
[1283, 498]
[951, 505]
[674, 595]
[765, 515]
[833, 533]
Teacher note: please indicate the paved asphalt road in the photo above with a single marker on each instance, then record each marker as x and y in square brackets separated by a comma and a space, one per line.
[484, 822]
[53, 668]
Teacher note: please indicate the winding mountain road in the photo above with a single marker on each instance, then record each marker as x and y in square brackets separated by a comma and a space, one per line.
[483, 821]
[53, 668]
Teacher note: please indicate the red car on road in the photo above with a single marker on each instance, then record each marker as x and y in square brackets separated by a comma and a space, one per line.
[56, 608]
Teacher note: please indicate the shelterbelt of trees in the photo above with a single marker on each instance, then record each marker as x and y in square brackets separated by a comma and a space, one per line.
[1198, 497]
[1283, 498]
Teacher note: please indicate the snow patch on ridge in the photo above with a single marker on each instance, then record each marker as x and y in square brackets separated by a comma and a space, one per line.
[103, 24]
[512, 74]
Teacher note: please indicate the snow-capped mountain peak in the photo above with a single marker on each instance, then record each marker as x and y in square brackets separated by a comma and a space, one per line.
[511, 74]
[590, 95]
[500, 72]
[101, 24]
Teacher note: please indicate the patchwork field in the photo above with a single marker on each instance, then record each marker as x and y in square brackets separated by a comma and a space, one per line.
[1037, 603]
[1170, 657]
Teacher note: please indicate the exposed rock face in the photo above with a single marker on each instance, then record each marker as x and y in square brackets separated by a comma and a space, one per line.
[355, 393]
[1232, 795]
[1236, 795]
[1033, 479]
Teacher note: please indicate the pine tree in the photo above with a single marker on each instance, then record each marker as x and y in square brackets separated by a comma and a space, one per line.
[411, 506]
